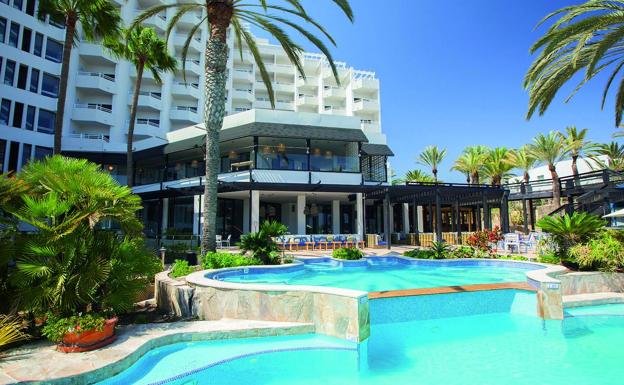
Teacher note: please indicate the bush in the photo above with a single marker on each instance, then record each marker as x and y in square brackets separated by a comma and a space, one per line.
[462, 252]
[440, 249]
[261, 244]
[483, 239]
[604, 253]
[56, 327]
[180, 268]
[218, 260]
[420, 254]
[549, 258]
[569, 230]
[348, 253]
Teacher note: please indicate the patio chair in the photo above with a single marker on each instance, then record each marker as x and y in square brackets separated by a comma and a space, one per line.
[511, 241]
[227, 241]
[219, 241]
[319, 242]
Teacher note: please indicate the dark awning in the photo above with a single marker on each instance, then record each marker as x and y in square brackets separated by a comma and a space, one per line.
[376, 149]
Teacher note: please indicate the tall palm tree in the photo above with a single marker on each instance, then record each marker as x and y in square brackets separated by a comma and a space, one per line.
[418, 176]
[550, 149]
[523, 160]
[146, 51]
[613, 152]
[98, 19]
[432, 156]
[589, 37]
[221, 15]
[576, 144]
[498, 165]
[471, 162]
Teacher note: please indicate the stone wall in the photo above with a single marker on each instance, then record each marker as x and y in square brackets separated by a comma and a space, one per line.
[584, 282]
[173, 296]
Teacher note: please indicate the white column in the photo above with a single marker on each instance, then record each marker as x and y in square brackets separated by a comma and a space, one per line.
[391, 215]
[301, 219]
[196, 214]
[420, 219]
[336, 216]
[255, 211]
[359, 215]
[406, 218]
[165, 214]
[246, 216]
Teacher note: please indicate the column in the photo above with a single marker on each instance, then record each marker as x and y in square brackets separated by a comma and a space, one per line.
[421, 219]
[254, 224]
[246, 215]
[531, 215]
[478, 221]
[458, 223]
[438, 220]
[196, 214]
[165, 215]
[359, 215]
[391, 217]
[387, 209]
[335, 216]
[301, 219]
[406, 219]
[504, 213]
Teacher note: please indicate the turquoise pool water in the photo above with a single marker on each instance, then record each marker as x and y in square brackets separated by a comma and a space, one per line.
[486, 338]
[379, 274]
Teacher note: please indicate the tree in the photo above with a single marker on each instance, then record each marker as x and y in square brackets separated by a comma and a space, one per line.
[146, 51]
[418, 176]
[498, 165]
[575, 144]
[98, 19]
[587, 36]
[613, 152]
[220, 15]
[471, 162]
[432, 156]
[550, 149]
[523, 160]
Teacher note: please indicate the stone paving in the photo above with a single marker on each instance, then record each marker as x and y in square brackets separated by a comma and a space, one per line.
[40, 363]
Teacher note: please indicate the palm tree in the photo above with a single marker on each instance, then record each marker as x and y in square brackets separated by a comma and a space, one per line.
[418, 176]
[432, 157]
[471, 162]
[587, 36]
[613, 152]
[576, 144]
[550, 149]
[523, 160]
[498, 165]
[146, 51]
[221, 15]
[98, 19]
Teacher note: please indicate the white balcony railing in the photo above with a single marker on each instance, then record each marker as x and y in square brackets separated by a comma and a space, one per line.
[86, 136]
[149, 122]
[93, 106]
[109, 77]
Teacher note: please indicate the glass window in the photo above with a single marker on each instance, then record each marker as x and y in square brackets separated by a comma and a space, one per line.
[181, 215]
[22, 76]
[236, 155]
[9, 73]
[18, 115]
[49, 85]
[38, 44]
[282, 154]
[30, 118]
[26, 36]
[18, 4]
[3, 24]
[185, 164]
[54, 51]
[30, 7]
[14, 34]
[34, 80]
[13, 152]
[334, 156]
[5, 110]
[4, 2]
[2, 154]
[42, 152]
[26, 153]
[45, 123]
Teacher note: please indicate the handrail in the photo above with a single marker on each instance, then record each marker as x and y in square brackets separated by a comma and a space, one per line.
[98, 74]
[185, 108]
[92, 106]
[186, 84]
[155, 95]
[103, 137]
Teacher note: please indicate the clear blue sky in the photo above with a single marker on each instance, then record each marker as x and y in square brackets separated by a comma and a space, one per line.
[451, 73]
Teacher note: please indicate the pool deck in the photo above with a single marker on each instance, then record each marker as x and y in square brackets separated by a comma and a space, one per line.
[40, 363]
[450, 289]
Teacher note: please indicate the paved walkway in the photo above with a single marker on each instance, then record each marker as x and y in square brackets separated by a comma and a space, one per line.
[39, 362]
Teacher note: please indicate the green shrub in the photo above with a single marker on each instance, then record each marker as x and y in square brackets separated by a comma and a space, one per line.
[56, 327]
[180, 268]
[348, 253]
[440, 249]
[604, 253]
[569, 230]
[462, 252]
[218, 260]
[420, 254]
[549, 258]
[261, 243]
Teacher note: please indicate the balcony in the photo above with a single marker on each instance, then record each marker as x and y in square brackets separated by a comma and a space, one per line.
[307, 100]
[244, 95]
[247, 57]
[159, 22]
[193, 66]
[195, 44]
[244, 75]
[147, 127]
[365, 84]
[181, 88]
[184, 113]
[98, 80]
[190, 19]
[91, 112]
[280, 68]
[309, 82]
[148, 99]
[369, 125]
[331, 110]
[280, 104]
[334, 93]
[277, 86]
[91, 49]
[365, 105]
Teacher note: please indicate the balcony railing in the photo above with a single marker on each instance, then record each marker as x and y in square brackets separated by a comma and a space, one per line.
[93, 106]
[110, 77]
[149, 122]
[194, 85]
[102, 137]
[155, 95]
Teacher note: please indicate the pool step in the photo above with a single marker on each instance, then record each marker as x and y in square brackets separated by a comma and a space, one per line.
[590, 299]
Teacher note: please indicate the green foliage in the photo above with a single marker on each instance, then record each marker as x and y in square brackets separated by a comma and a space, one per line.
[180, 268]
[432, 156]
[418, 176]
[604, 253]
[348, 253]
[483, 239]
[11, 331]
[56, 327]
[440, 249]
[261, 243]
[471, 161]
[549, 258]
[567, 231]
[420, 254]
[614, 153]
[216, 260]
[462, 252]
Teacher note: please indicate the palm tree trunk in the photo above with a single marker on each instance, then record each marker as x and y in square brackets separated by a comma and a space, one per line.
[435, 174]
[526, 177]
[556, 188]
[133, 112]
[70, 29]
[219, 16]
[574, 168]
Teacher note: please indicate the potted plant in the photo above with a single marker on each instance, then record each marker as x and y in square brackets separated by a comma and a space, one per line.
[80, 333]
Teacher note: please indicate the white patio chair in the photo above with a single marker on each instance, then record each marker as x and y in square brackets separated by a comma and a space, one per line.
[219, 242]
[226, 242]
[511, 241]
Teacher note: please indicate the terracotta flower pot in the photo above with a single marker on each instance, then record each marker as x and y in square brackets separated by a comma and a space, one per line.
[89, 339]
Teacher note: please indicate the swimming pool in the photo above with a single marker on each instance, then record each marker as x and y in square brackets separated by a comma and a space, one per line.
[484, 338]
[382, 273]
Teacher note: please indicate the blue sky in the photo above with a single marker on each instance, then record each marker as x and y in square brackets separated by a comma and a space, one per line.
[451, 73]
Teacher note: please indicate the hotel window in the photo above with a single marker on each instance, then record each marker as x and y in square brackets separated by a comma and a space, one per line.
[26, 37]
[14, 34]
[5, 110]
[30, 118]
[18, 4]
[282, 154]
[26, 153]
[42, 152]
[236, 155]
[50, 85]
[38, 44]
[18, 114]
[54, 51]
[334, 156]
[30, 7]
[45, 123]
[34, 80]
[22, 76]
[9, 73]
[13, 151]
[2, 153]
[4, 2]
[3, 24]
